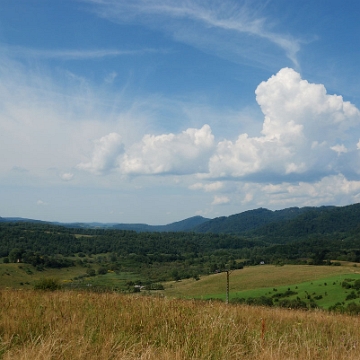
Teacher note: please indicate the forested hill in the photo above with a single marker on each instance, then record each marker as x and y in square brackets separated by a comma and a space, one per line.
[288, 223]
[271, 226]
[183, 225]
[294, 235]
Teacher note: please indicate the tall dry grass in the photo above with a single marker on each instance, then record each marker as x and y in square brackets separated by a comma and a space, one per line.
[71, 325]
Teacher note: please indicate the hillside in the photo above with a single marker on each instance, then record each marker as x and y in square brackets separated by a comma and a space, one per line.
[323, 220]
[284, 225]
[289, 236]
[250, 220]
[277, 226]
[183, 225]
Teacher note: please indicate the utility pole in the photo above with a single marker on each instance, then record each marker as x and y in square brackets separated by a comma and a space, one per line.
[227, 285]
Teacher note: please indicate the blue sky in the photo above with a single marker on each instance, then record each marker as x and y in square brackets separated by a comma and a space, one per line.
[155, 111]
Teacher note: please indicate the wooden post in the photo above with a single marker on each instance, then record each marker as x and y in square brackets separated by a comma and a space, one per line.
[227, 286]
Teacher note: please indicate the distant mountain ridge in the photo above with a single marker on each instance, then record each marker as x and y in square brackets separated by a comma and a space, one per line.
[274, 226]
[283, 226]
[183, 225]
[256, 219]
[20, 219]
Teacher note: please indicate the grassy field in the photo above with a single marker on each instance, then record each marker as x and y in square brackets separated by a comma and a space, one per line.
[85, 325]
[81, 325]
[24, 276]
[255, 277]
[256, 281]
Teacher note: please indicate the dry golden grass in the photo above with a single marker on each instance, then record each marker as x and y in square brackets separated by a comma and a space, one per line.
[71, 325]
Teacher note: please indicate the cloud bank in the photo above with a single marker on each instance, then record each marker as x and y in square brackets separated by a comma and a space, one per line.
[306, 134]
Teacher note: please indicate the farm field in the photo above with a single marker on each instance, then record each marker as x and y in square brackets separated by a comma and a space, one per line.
[315, 286]
[16, 275]
[84, 325]
[255, 277]
[25, 276]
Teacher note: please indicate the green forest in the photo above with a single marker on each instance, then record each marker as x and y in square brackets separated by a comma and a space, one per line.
[316, 236]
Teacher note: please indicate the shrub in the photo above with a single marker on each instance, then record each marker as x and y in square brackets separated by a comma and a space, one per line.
[292, 304]
[154, 286]
[90, 272]
[351, 296]
[49, 284]
[357, 284]
[353, 309]
[259, 301]
[102, 271]
[346, 285]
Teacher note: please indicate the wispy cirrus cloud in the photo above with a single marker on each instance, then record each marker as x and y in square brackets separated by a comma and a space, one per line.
[74, 54]
[205, 24]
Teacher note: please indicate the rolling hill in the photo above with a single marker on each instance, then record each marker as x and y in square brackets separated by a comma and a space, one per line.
[288, 223]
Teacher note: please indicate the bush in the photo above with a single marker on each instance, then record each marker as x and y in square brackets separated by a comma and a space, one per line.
[154, 286]
[90, 272]
[353, 309]
[357, 285]
[259, 301]
[49, 284]
[346, 285]
[102, 271]
[285, 294]
[351, 296]
[292, 304]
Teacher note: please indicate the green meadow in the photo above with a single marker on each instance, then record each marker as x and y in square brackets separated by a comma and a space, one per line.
[25, 276]
[325, 292]
[320, 284]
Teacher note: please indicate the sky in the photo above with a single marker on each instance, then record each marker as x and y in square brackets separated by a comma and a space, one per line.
[153, 111]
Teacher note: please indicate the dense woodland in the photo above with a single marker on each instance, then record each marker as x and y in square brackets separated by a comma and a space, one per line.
[158, 256]
[317, 236]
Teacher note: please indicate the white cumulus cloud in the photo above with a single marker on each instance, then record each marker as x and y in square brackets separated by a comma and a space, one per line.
[184, 153]
[301, 132]
[67, 176]
[105, 154]
[339, 149]
[207, 187]
[220, 200]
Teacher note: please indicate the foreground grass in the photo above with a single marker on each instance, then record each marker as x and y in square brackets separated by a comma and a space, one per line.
[81, 325]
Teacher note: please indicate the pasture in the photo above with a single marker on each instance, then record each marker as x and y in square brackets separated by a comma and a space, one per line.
[25, 276]
[255, 277]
